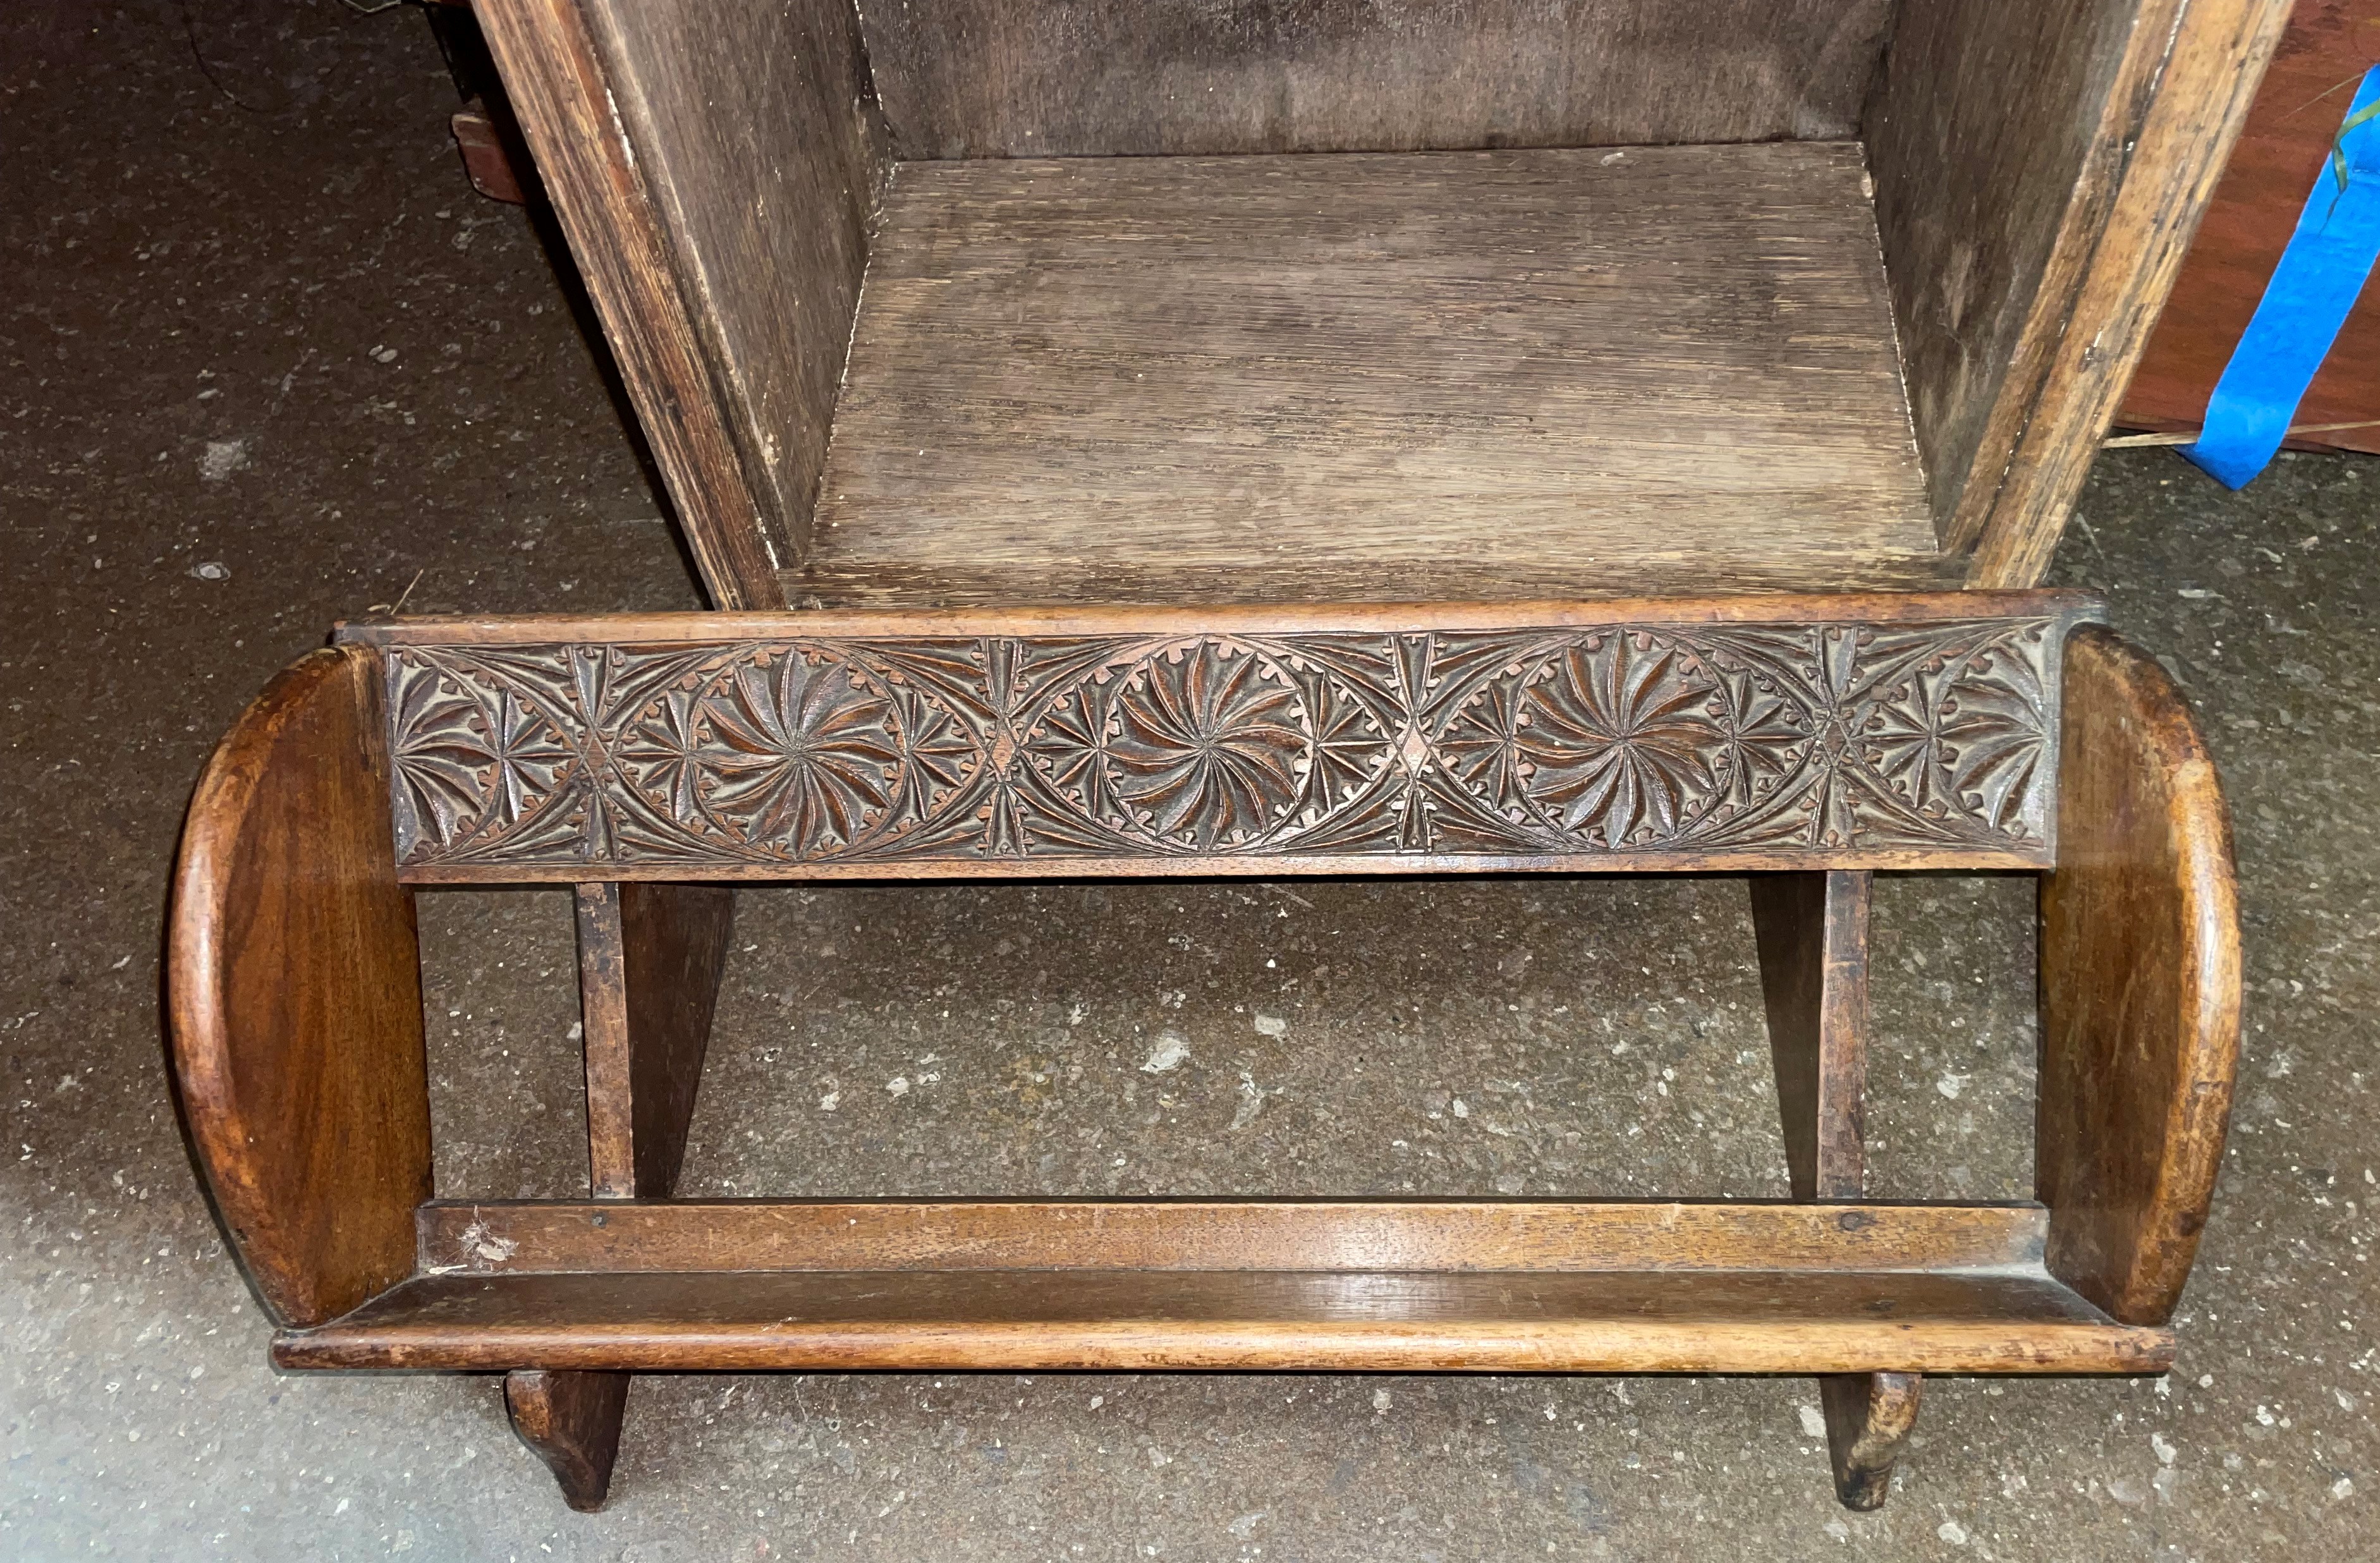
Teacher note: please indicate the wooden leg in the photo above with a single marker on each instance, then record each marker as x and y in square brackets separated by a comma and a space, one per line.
[650, 958]
[1812, 933]
[1869, 1419]
[2140, 987]
[571, 1420]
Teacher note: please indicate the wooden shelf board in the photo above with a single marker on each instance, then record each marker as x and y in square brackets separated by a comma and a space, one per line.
[1995, 1321]
[1489, 374]
[518, 1236]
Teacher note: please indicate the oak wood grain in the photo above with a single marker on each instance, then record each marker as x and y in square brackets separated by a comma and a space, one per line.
[1032, 1321]
[1996, 141]
[650, 958]
[2140, 987]
[759, 140]
[1611, 559]
[2197, 100]
[518, 1236]
[2039, 166]
[1293, 378]
[1272, 618]
[571, 1420]
[1811, 930]
[294, 995]
[713, 164]
[1091, 78]
[1869, 1417]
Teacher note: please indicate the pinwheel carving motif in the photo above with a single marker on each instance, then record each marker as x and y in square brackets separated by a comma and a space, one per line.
[1206, 745]
[1753, 740]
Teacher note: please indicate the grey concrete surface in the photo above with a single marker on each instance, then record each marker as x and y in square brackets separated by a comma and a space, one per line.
[269, 361]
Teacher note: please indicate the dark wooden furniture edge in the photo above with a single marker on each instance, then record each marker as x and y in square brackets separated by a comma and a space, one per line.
[659, 326]
[1812, 929]
[649, 959]
[2182, 98]
[1738, 1322]
[2140, 987]
[571, 1420]
[293, 992]
[641, 629]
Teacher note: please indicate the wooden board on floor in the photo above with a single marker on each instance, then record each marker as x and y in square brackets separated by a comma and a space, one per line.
[1046, 1320]
[2282, 154]
[1503, 374]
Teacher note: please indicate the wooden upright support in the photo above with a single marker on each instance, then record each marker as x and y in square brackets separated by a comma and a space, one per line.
[2140, 988]
[649, 957]
[1813, 933]
[294, 982]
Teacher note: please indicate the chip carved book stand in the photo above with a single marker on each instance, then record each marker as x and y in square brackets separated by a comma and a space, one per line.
[1807, 742]
[1490, 439]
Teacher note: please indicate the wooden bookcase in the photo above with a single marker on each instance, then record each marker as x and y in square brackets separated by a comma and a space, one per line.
[998, 301]
[1148, 436]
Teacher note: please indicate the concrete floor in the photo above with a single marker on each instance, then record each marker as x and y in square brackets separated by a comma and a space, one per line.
[269, 362]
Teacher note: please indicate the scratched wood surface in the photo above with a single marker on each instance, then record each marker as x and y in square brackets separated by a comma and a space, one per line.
[1042, 1320]
[713, 164]
[1138, 78]
[2140, 988]
[518, 1236]
[2039, 167]
[1686, 734]
[1365, 377]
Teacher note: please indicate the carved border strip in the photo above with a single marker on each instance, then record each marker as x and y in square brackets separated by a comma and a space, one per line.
[1744, 742]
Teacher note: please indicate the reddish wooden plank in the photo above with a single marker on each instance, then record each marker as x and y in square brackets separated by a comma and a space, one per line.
[2281, 155]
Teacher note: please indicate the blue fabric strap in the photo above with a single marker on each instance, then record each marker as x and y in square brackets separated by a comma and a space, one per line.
[2313, 288]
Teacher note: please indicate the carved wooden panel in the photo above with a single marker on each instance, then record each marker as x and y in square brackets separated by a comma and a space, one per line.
[1739, 741]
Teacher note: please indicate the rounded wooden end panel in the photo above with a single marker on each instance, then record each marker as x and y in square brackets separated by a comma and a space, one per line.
[2140, 985]
[294, 995]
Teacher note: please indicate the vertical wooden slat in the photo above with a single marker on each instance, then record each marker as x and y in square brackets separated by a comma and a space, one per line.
[1813, 933]
[650, 958]
[603, 1021]
[1813, 963]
